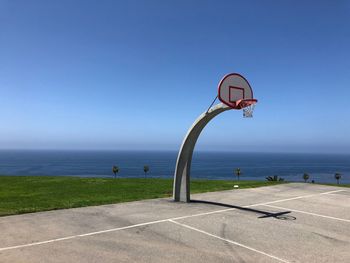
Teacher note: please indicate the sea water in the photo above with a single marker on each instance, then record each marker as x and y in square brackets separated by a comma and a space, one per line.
[209, 165]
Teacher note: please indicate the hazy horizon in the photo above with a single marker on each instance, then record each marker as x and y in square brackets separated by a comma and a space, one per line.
[174, 150]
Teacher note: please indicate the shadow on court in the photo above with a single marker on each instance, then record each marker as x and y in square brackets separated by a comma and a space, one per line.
[265, 214]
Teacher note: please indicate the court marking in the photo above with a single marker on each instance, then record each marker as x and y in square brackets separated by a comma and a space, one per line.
[309, 213]
[299, 197]
[82, 235]
[228, 241]
[259, 204]
[154, 222]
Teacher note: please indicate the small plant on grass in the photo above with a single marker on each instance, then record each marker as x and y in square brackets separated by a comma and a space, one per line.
[237, 172]
[274, 178]
[115, 170]
[146, 169]
[337, 177]
[306, 177]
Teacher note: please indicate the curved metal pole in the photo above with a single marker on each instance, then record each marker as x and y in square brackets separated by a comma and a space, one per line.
[181, 188]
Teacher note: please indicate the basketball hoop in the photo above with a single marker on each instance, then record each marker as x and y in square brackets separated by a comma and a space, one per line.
[235, 91]
[247, 105]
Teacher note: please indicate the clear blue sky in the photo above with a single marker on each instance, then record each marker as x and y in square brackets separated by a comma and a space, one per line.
[136, 74]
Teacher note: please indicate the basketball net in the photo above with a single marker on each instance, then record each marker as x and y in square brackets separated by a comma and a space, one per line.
[248, 111]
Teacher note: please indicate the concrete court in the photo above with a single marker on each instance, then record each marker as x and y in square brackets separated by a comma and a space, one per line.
[294, 222]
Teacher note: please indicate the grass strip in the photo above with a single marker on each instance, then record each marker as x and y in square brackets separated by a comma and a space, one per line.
[27, 194]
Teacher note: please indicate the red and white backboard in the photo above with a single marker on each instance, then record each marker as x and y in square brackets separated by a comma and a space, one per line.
[234, 88]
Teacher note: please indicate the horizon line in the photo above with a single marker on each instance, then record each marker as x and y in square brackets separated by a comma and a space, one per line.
[168, 150]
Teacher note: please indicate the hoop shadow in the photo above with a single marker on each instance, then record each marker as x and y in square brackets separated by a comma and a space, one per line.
[265, 214]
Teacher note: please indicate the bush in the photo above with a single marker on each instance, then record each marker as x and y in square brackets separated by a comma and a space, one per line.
[274, 178]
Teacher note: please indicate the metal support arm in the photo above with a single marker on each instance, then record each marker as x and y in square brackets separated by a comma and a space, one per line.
[181, 188]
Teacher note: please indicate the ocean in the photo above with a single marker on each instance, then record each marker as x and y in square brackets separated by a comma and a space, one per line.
[208, 165]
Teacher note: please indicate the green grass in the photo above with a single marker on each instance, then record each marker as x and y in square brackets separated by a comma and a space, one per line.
[26, 194]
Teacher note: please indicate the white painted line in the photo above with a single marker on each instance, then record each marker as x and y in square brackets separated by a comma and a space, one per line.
[229, 241]
[36, 243]
[82, 235]
[154, 222]
[309, 213]
[333, 192]
[298, 197]
[203, 214]
[259, 204]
